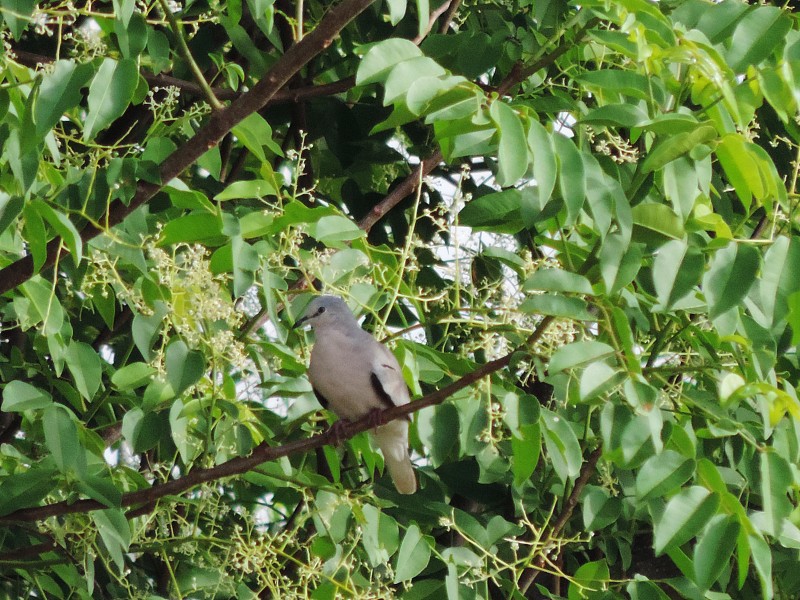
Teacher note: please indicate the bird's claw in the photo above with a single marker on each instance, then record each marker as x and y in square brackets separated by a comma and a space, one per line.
[337, 432]
[375, 418]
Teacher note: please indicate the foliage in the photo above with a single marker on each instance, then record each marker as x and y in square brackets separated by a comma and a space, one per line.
[576, 221]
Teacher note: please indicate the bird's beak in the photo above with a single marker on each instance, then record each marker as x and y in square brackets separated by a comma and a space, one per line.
[299, 322]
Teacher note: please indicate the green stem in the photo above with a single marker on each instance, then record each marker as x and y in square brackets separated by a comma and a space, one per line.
[183, 48]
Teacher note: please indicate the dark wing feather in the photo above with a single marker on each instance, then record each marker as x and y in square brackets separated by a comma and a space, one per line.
[320, 398]
[381, 393]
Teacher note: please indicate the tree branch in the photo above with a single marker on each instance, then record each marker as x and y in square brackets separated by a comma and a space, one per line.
[406, 187]
[530, 574]
[208, 136]
[265, 453]
[282, 96]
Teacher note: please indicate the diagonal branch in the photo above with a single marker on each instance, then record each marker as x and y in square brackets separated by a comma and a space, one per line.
[208, 136]
[265, 453]
[530, 574]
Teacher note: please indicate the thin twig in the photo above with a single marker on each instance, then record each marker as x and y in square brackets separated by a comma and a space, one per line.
[448, 18]
[530, 574]
[183, 48]
[432, 21]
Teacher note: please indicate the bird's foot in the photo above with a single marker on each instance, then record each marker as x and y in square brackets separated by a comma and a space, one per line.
[375, 418]
[337, 432]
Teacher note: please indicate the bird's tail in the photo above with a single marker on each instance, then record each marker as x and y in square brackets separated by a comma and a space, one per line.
[392, 439]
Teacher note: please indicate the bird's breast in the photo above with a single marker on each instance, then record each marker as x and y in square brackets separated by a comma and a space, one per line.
[340, 371]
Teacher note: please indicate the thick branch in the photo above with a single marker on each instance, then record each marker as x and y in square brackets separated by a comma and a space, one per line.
[406, 188]
[218, 124]
[265, 453]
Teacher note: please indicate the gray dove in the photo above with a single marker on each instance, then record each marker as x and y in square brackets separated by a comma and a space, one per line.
[353, 375]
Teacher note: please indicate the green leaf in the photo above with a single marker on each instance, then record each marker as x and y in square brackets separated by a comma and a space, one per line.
[577, 354]
[521, 415]
[599, 508]
[110, 94]
[382, 57]
[641, 589]
[662, 474]
[60, 91]
[714, 549]
[571, 176]
[563, 448]
[676, 146]
[776, 480]
[35, 234]
[145, 329]
[545, 164]
[142, 430]
[380, 535]
[498, 212]
[620, 262]
[512, 155]
[558, 306]
[526, 456]
[44, 306]
[132, 376]
[10, 209]
[115, 531]
[19, 396]
[253, 188]
[435, 94]
[780, 278]
[628, 83]
[658, 219]
[423, 16]
[762, 559]
[28, 488]
[682, 184]
[62, 226]
[397, 10]
[86, 368]
[184, 367]
[756, 36]
[597, 379]
[61, 438]
[729, 277]
[194, 227]
[132, 36]
[677, 269]
[684, 517]
[17, 14]
[101, 489]
[403, 74]
[333, 230]
[558, 280]
[123, 10]
[737, 160]
[256, 134]
[184, 436]
[23, 157]
[589, 581]
[413, 556]
[438, 428]
[623, 115]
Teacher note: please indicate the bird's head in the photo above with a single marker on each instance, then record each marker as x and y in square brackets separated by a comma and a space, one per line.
[325, 311]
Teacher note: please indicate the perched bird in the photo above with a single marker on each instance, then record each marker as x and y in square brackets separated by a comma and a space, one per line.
[353, 375]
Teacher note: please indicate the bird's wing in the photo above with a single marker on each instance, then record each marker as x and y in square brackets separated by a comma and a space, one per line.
[387, 378]
[320, 398]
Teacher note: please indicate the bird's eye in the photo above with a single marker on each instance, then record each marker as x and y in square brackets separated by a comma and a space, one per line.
[321, 310]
